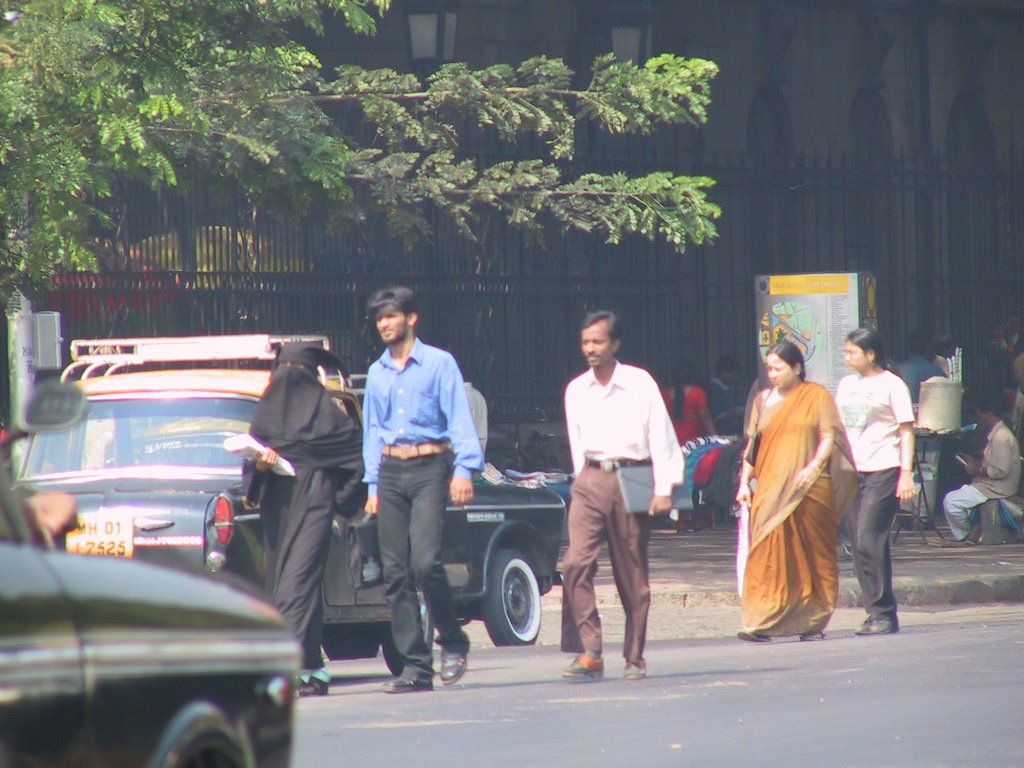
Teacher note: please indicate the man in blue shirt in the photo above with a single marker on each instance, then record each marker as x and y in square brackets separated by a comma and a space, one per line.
[918, 366]
[419, 448]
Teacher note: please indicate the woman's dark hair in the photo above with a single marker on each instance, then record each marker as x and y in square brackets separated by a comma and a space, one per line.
[870, 340]
[684, 374]
[791, 355]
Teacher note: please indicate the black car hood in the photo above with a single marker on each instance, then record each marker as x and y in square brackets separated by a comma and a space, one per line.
[113, 594]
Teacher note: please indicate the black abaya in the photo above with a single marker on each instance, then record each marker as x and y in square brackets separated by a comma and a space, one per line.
[297, 418]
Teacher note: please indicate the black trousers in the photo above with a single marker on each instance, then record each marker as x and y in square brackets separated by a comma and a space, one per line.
[871, 516]
[412, 496]
[296, 516]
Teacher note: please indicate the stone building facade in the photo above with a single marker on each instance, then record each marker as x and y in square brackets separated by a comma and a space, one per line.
[845, 135]
[872, 136]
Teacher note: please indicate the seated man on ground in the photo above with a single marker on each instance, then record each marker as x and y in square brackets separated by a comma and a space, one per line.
[995, 477]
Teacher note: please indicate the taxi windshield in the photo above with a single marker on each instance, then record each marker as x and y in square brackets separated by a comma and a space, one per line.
[137, 433]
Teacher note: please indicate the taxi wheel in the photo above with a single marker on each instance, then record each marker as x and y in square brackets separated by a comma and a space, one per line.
[511, 607]
[205, 742]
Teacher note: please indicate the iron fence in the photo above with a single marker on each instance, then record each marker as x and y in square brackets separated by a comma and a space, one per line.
[947, 249]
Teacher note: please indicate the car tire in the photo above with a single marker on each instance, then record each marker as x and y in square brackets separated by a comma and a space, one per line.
[213, 752]
[392, 656]
[198, 736]
[511, 607]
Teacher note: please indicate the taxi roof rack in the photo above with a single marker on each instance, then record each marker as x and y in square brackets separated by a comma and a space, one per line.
[103, 357]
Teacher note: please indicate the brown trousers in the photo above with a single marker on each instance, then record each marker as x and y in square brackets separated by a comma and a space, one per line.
[597, 514]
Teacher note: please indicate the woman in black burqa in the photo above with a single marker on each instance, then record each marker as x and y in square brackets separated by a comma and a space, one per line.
[298, 421]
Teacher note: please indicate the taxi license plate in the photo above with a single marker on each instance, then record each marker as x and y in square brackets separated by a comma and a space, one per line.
[103, 534]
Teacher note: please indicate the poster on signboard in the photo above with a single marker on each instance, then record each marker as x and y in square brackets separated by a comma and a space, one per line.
[815, 312]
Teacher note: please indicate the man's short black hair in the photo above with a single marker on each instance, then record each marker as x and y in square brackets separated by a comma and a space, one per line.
[989, 404]
[390, 299]
[614, 328]
[726, 363]
[918, 343]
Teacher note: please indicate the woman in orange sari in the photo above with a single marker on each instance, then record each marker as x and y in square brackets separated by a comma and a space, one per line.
[803, 479]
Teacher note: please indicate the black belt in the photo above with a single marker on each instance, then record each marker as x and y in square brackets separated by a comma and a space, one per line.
[610, 465]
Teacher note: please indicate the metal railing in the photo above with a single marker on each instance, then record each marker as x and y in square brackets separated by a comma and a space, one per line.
[509, 309]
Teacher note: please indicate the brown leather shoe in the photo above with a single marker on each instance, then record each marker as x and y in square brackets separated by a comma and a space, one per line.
[585, 667]
[635, 671]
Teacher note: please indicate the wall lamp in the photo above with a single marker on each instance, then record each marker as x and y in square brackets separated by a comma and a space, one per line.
[432, 26]
[631, 29]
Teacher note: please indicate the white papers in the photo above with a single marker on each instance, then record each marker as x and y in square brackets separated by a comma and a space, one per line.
[742, 546]
[544, 477]
[249, 448]
[956, 365]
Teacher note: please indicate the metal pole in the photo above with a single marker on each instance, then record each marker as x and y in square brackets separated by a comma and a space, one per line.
[20, 353]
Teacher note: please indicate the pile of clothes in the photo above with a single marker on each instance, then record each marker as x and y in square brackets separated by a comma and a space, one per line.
[712, 471]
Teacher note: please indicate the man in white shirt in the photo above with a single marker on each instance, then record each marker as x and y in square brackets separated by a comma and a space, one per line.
[615, 416]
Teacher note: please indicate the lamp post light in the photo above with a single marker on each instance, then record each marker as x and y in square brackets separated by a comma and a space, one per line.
[432, 26]
[631, 28]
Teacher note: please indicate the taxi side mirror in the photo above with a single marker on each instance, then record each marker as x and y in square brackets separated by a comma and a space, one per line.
[51, 407]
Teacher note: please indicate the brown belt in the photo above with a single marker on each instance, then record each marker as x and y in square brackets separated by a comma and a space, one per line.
[406, 452]
[610, 465]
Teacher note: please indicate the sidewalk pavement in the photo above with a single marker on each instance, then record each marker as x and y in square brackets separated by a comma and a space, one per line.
[699, 569]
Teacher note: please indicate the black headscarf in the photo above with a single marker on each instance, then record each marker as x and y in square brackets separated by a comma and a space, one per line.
[297, 418]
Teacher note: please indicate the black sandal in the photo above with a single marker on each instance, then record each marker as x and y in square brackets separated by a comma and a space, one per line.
[753, 637]
[807, 637]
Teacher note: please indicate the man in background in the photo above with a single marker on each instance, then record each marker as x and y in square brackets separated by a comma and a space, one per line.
[478, 410]
[919, 365]
[726, 408]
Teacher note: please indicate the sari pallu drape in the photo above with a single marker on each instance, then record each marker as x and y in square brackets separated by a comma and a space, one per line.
[791, 578]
